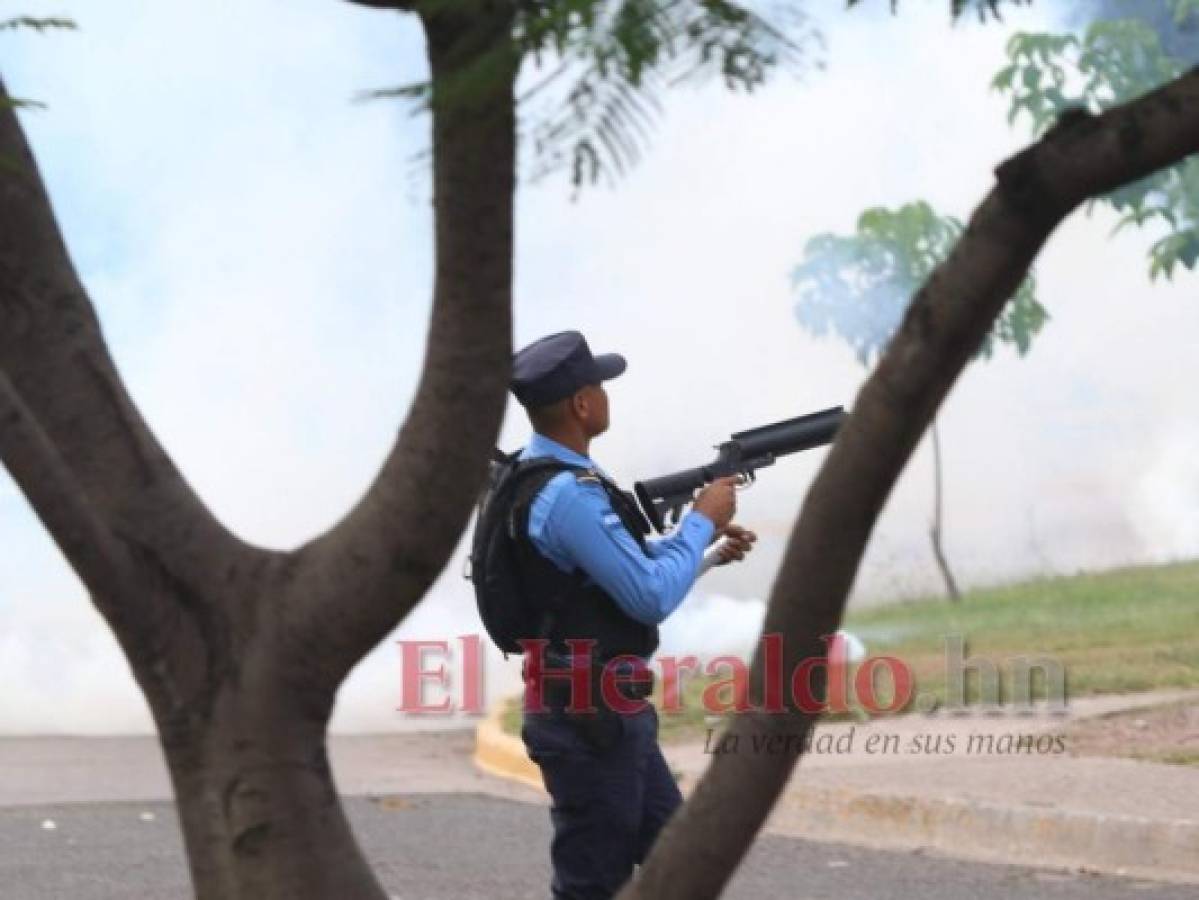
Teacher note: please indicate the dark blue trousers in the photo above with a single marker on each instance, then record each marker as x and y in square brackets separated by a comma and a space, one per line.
[608, 806]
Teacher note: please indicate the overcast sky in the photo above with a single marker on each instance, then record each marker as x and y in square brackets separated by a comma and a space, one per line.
[258, 248]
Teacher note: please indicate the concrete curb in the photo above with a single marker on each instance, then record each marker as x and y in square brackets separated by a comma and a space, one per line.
[502, 755]
[1120, 845]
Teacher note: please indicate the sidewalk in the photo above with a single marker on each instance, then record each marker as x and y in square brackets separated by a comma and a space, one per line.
[992, 798]
[51, 769]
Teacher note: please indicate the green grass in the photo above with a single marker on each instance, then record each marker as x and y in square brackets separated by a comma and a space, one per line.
[1181, 758]
[1122, 631]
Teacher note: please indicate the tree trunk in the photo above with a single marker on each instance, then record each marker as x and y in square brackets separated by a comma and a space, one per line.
[935, 532]
[259, 810]
[1082, 157]
[240, 650]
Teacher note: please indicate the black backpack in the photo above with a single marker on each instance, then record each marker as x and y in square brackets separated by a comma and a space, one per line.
[506, 605]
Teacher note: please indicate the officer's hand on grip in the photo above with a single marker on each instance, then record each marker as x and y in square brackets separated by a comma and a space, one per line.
[718, 501]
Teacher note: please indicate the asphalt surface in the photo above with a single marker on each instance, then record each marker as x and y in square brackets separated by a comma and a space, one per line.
[443, 846]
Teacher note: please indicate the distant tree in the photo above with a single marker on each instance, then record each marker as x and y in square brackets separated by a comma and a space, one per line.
[858, 286]
[1111, 62]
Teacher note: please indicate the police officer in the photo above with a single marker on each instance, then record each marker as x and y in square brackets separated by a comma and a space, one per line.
[611, 789]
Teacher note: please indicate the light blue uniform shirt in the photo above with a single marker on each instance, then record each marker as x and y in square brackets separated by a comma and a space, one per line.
[574, 525]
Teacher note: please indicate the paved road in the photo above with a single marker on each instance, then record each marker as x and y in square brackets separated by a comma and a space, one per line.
[442, 846]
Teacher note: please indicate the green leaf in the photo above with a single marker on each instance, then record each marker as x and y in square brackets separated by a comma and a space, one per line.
[1003, 78]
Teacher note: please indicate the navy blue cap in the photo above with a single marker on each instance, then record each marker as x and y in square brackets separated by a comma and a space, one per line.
[556, 366]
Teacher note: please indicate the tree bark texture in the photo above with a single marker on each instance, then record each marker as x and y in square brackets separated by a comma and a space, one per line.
[1083, 156]
[240, 650]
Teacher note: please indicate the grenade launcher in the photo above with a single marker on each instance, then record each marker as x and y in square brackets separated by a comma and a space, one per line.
[662, 499]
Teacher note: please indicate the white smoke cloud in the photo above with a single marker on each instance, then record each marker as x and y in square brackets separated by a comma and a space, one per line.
[710, 624]
[1165, 504]
[258, 249]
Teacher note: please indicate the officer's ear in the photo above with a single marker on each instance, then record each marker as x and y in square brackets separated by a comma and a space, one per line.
[580, 405]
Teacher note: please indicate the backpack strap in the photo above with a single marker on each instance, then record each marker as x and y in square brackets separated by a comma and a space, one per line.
[623, 503]
[526, 480]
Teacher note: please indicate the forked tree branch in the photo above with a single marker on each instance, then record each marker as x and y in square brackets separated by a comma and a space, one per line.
[1082, 157]
[55, 360]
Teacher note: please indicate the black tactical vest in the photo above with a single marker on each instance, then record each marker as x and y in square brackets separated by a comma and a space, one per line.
[570, 604]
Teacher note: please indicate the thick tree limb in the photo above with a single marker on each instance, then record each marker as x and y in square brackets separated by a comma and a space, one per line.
[147, 624]
[1080, 158]
[102, 562]
[53, 354]
[364, 575]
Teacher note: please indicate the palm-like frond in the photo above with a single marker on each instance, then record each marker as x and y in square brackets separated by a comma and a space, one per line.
[612, 61]
[605, 64]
